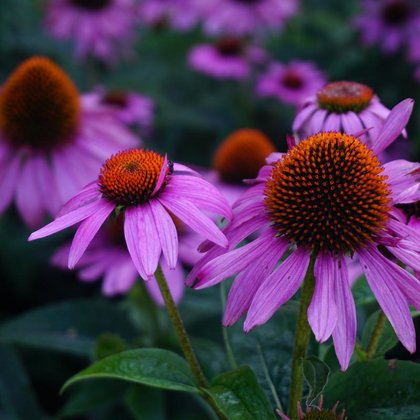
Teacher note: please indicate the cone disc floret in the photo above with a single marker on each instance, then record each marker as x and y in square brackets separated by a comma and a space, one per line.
[39, 105]
[129, 178]
[342, 97]
[328, 193]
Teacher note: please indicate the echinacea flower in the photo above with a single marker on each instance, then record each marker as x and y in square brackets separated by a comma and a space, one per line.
[104, 29]
[391, 23]
[181, 15]
[51, 142]
[146, 187]
[246, 17]
[228, 58]
[291, 83]
[328, 199]
[239, 157]
[107, 258]
[342, 106]
[129, 108]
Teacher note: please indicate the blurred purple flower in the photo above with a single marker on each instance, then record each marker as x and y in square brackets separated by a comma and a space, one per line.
[391, 23]
[245, 17]
[342, 106]
[181, 15]
[229, 58]
[129, 108]
[148, 189]
[51, 141]
[104, 29]
[302, 220]
[291, 83]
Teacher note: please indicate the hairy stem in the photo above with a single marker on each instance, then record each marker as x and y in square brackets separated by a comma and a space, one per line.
[376, 335]
[302, 336]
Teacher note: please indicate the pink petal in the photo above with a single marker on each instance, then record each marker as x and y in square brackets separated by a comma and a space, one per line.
[149, 244]
[302, 116]
[9, 176]
[344, 334]
[131, 234]
[322, 312]
[88, 194]
[166, 230]
[87, 230]
[393, 125]
[119, 277]
[67, 220]
[162, 175]
[277, 288]
[351, 123]
[392, 301]
[178, 167]
[195, 219]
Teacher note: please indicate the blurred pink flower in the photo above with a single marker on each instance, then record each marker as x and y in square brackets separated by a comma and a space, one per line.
[245, 17]
[149, 190]
[301, 220]
[51, 142]
[291, 83]
[229, 58]
[104, 29]
[342, 106]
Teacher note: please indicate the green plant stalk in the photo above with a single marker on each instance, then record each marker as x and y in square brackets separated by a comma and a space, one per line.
[184, 340]
[228, 347]
[376, 335]
[302, 336]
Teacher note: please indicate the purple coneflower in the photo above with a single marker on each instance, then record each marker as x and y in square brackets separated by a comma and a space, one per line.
[107, 258]
[246, 17]
[291, 83]
[229, 58]
[146, 187]
[51, 141]
[129, 108]
[391, 23]
[104, 29]
[181, 15]
[239, 157]
[342, 106]
[326, 200]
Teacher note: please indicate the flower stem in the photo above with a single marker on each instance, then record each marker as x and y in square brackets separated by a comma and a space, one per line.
[176, 320]
[228, 347]
[302, 336]
[184, 341]
[376, 335]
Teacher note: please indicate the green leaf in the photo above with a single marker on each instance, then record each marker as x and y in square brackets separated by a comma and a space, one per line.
[70, 327]
[17, 397]
[316, 373]
[388, 338]
[107, 345]
[385, 389]
[239, 396]
[145, 403]
[153, 367]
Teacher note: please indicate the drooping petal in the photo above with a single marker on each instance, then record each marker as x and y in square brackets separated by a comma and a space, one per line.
[248, 282]
[87, 231]
[407, 256]
[389, 296]
[277, 288]
[119, 277]
[162, 175]
[88, 194]
[131, 234]
[393, 125]
[9, 176]
[148, 237]
[195, 219]
[166, 230]
[322, 312]
[351, 123]
[302, 116]
[68, 219]
[234, 261]
[344, 334]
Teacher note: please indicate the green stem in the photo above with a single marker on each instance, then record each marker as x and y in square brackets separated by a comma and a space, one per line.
[184, 341]
[228, 347]
[376, 335]
[302, 336]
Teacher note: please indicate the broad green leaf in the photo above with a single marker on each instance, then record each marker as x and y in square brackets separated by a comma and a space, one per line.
[239, 396]
[388, 338]
[316, 373]
[153, 367]
[72, 327]
[17, 397]
[387, 389]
